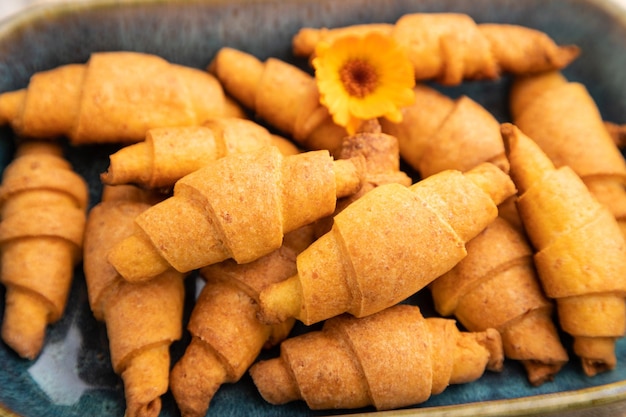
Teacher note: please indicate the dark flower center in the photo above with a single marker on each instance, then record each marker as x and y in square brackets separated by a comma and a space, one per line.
[359, 77]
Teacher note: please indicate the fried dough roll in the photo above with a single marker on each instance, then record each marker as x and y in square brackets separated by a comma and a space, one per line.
[581, 252]
[281, 94]
[391, 359]
[238, 207]
[381, 155]
[114, 97]
[227, 337]
[562, 118]
[142, 320]
[227, 308]
[388, 245]
[496, 286]
[169, 153]
[42, 206]
[452, 47]
[439, 133]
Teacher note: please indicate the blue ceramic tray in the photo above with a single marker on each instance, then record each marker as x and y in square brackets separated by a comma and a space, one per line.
[73, 375]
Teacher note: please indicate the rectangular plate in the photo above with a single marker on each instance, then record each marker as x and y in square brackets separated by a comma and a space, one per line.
[73, 375]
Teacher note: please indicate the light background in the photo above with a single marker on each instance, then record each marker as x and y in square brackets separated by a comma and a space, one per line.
[9, 7]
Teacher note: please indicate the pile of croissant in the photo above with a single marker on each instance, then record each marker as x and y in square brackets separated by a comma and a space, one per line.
[238, 173]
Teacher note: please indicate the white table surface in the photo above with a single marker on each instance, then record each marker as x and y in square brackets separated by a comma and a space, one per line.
[9, 7]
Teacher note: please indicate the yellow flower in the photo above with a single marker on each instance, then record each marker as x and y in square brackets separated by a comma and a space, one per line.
[361, 78]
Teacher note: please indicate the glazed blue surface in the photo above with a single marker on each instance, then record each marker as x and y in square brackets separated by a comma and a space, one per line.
[73, 376]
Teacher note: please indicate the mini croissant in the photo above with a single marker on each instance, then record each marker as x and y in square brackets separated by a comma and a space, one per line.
[438, 133]
[391, 359]
[142, 320]
[226, 335]
[114, 97]
[381, 156]
[452, 47]
[580, 250]
[389, 244]
[238, 207]
[43, 206]
[496, 286]
[169, 153]
[280, 93]
[563, 119]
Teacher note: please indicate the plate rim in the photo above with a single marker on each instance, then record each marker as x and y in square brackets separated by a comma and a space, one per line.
[595, 397]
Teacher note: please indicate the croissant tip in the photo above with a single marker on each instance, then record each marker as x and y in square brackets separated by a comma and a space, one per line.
[150, 409]
[568, 54]
[507, 130]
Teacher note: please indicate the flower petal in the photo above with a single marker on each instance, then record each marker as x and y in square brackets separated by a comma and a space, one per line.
[384, 93]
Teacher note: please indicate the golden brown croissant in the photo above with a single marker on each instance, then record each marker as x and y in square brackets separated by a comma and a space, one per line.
[226, 334]
[441, 133]
[452, 47]
[224, 314]
[563, 119]
[238, 207]
[42, 206]
[581, 252]
[438, 133]
[169, 153]
[381, 153]
[391, 359]
[114, 97]
[280, 93]
[496, 286]
[381, 156]
[388, 245]
[142, 320]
